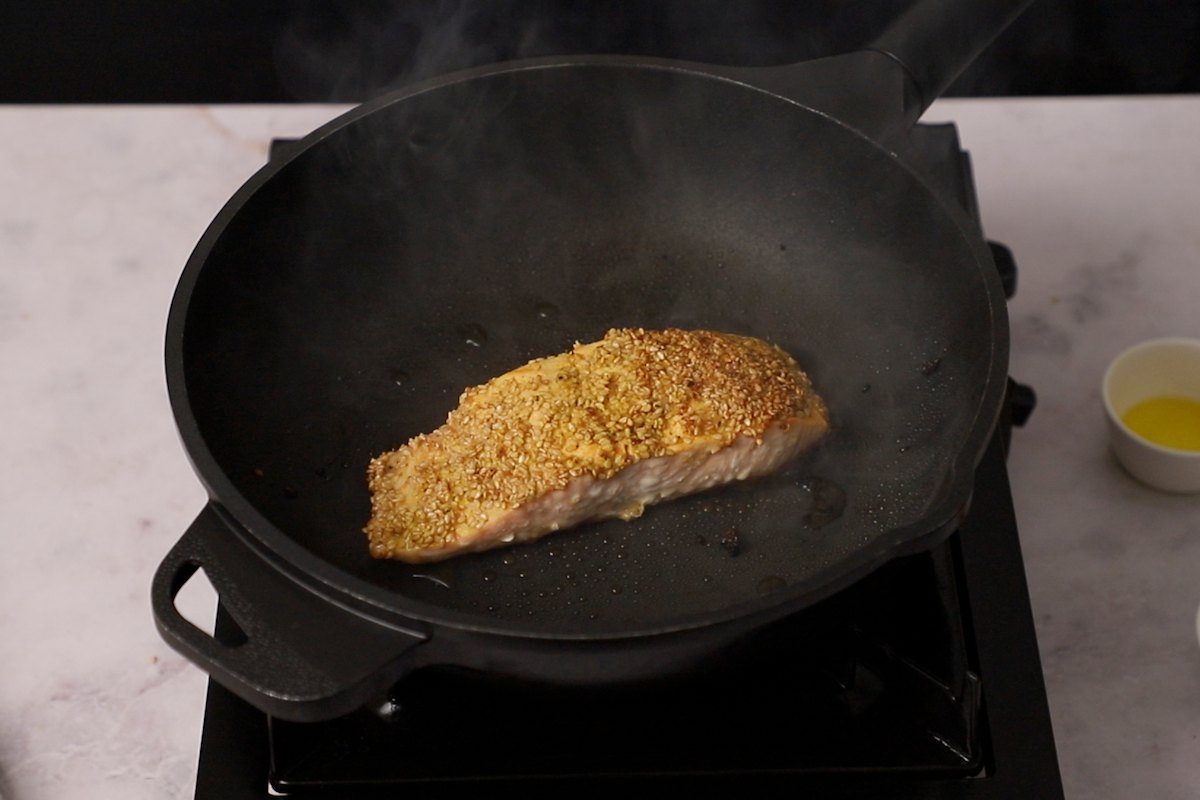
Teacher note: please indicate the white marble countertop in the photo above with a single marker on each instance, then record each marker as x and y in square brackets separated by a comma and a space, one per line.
[100, 207]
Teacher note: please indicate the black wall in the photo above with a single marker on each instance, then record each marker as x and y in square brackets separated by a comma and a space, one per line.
[221, 51]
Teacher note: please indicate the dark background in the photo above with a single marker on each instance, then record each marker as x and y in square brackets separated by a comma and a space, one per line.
[226, 51]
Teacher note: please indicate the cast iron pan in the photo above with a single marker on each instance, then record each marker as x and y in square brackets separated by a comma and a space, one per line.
[437, 237]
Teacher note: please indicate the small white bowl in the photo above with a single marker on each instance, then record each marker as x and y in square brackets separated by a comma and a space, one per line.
[1160, 367]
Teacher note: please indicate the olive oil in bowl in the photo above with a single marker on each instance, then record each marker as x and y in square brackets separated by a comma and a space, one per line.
[1166, 421]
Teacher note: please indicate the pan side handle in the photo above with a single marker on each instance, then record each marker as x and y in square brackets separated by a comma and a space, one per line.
[297, 656]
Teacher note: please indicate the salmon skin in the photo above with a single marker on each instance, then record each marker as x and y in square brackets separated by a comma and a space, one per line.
[604, 430]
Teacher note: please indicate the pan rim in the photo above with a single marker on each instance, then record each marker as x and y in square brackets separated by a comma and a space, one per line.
[316, 574]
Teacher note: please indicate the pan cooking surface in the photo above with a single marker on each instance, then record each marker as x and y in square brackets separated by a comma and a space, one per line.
[448, 237]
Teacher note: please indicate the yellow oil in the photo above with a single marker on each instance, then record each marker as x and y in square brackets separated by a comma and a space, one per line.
[1167, 421]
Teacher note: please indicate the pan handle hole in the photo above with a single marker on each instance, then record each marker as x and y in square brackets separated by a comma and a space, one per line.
[196, 601]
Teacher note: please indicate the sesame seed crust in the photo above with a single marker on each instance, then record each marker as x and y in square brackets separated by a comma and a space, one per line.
[589, 413]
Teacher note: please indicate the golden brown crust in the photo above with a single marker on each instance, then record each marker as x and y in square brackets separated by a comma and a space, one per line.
[635, 394]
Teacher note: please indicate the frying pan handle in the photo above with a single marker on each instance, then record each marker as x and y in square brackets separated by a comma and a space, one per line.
[935, 40]
[882, 89]
[298, 656]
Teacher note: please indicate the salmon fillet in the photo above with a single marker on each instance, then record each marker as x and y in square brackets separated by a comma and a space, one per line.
[602, 431]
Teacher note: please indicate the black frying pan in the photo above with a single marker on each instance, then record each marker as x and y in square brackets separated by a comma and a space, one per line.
[442, 235]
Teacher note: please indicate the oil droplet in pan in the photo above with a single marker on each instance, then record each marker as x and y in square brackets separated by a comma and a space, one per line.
[545, 310]
[419, 140]
[473, 334]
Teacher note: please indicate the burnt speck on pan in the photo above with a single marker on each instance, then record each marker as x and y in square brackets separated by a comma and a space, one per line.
[731, 540]
[828, 502]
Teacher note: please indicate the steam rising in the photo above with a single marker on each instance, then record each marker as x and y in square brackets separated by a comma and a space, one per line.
[350, 52]
[354, 53]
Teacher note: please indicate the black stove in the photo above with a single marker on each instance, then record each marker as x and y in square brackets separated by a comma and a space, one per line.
[922, 680]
